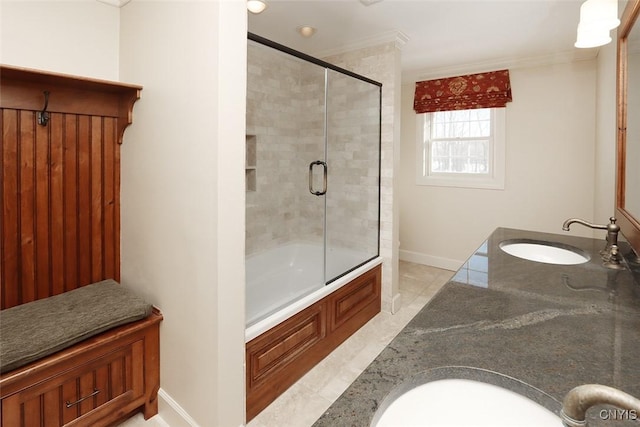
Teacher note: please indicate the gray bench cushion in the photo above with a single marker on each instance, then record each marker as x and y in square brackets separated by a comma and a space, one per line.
[37, 329]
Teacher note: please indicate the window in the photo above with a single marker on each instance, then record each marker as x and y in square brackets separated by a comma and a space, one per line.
[463, 148]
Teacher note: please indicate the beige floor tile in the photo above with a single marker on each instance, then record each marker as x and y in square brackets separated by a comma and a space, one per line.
[139, 421]
[297, 407]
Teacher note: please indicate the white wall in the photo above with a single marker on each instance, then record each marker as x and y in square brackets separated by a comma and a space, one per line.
[183, 197]
[71, 37]
[549, 170]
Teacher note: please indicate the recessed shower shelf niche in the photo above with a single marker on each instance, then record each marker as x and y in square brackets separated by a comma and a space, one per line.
[250, 163]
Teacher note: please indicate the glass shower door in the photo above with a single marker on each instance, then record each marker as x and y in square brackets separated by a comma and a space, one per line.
[284, 222]
[310, 166]
[353, 180]
[313, 175]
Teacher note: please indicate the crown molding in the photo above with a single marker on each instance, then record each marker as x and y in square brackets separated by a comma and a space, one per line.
[115, 3]
[397, 37]
[568, 56]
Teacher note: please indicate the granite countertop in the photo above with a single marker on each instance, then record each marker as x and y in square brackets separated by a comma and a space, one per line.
[546, 327]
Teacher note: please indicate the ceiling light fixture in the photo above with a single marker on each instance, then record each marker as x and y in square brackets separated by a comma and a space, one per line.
[256, 6]
[306, 30]
[597, 18]
[592, 36]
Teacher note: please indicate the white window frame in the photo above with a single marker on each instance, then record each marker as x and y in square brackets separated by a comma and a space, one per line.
[493, 180]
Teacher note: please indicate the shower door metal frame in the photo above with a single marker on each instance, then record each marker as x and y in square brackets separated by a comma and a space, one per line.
[326, 65]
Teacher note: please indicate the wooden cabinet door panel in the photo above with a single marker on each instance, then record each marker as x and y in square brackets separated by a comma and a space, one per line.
[74, 396]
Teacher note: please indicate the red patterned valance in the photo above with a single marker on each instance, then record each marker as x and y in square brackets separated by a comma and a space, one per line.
[483, 90]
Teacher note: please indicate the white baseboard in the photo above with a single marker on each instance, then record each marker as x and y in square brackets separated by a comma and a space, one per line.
[434, 261]
[171, 413]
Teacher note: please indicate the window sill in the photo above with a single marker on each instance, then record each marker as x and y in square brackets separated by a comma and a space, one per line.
[462, 182]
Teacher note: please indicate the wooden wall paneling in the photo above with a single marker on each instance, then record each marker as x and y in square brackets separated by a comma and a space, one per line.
[84, 199]
[10, 240]
[26, 195]
[109, 196]
[42, 247]
[96, 179]
[56, 191]
[60, 207]
[2, 189]
[70, 201]
[116, 204]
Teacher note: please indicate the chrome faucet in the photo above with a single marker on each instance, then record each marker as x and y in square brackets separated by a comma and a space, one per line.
[581, 398]
[611, 253]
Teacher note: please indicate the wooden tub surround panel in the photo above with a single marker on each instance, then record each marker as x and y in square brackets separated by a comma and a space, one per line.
[281, 356]
[60, 212]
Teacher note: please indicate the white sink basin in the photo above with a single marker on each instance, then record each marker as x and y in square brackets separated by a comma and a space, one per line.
[546, 252]
[462, 402]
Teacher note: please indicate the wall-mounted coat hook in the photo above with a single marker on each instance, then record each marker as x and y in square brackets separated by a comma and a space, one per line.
[43, 116]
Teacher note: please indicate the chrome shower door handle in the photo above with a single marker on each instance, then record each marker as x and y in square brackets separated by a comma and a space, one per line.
[324, 178]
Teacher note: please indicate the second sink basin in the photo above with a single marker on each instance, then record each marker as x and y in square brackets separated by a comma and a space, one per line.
[463, 403]
[545, 252]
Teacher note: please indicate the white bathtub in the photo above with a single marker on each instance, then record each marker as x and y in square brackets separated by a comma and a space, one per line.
[285, 280]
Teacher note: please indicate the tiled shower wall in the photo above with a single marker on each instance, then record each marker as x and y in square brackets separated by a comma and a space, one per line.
[285, 110]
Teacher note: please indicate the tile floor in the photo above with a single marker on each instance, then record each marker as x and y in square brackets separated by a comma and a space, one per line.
[304, 402]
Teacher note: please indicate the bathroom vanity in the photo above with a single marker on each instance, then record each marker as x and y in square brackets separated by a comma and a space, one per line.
[552, 327]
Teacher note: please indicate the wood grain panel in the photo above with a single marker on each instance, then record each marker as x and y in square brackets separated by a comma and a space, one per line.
[86, 389]
[10, 239]
[70, 201]
[69, 393]
[56, 218]
[116, 206]
[42, 212]
[84, 199]
[26, 195]
[60, 207]
[97, 183]
[362, 294]
[31, 413]
[282, 355]
[109, 196]
[52, 410]
[116, 380]
[102, 383]
[282, 345]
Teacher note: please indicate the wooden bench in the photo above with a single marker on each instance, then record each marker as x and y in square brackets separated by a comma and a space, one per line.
[88, 357]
